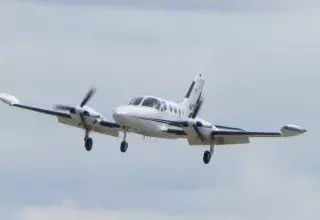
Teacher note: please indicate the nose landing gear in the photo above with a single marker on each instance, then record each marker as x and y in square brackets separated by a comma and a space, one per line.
[124, 143]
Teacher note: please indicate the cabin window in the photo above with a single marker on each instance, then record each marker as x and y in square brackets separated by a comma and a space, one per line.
[171, 109]
[136, 101]
[175, 110]
[179, 111]
[152, 102]
[163, 106]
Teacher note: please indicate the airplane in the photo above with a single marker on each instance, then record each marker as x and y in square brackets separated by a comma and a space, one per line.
[152, 116]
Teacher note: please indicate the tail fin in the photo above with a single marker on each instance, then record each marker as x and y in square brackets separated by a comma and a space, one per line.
[193, 99]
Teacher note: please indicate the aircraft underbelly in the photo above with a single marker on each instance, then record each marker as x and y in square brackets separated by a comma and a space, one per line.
[140, 126]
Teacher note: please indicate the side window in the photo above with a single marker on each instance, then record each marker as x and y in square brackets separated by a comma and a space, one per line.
[171, 109]
[179, 112]
[163, 106]
[175, 110]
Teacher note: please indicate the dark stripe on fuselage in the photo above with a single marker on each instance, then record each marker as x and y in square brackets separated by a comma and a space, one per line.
[175, 123]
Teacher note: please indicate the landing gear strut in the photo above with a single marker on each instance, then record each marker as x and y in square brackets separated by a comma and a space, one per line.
[124, 143]
[88, 142]
[207, 155]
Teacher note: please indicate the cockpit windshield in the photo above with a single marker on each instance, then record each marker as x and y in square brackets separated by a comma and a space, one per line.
[136, 101]
[152, 102]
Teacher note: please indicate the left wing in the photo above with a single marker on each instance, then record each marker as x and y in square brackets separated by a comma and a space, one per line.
[102, 126]
[285, 131]
[199, 134]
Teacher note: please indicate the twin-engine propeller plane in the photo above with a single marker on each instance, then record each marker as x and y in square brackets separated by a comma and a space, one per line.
[155, 117]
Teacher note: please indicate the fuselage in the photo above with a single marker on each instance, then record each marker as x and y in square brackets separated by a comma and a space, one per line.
[152, 116]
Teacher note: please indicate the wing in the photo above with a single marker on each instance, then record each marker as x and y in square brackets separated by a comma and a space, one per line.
[103, 126]
[231, 135]
[285, 131]
[14, 102]
[199, 134]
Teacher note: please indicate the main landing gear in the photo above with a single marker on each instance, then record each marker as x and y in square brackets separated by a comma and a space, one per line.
[124, 143]
[88, 142]
[207, 155]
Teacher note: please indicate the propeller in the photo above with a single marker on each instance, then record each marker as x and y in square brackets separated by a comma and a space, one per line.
[88, 96]
[84, 101]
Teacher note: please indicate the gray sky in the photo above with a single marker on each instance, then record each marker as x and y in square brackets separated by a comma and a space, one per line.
[215, 5]
[261, 71]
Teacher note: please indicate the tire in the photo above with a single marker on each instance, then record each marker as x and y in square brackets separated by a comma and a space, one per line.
[206, 157]
[88, 144]
[123, 146]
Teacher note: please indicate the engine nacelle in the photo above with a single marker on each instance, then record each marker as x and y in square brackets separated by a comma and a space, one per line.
[91, 117]
[199, 129]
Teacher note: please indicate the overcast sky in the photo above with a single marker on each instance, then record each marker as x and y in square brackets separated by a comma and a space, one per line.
[261, 68]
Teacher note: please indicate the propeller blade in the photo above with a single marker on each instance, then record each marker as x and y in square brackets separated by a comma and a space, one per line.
[64, 107]
[88, 96]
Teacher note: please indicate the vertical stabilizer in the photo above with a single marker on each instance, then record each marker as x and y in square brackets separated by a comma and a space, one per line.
[193, 99]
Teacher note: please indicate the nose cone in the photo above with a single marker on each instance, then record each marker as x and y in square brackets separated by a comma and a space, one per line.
[122, 113]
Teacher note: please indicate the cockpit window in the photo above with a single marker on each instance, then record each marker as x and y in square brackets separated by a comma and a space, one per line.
[152, 102]
[136, 101]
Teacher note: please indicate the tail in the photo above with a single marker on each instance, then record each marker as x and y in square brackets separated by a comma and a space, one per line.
[193, 100]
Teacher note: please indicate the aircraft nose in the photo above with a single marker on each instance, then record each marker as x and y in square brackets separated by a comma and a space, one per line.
[120, 114]
[121, 111]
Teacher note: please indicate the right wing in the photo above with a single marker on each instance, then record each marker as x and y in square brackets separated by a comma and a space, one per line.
[102, 126]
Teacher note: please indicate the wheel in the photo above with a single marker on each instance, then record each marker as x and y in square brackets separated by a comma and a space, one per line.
[206, 157]
[88, 144]
[123, 146]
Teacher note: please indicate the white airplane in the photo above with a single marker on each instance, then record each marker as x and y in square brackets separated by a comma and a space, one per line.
[151, 116]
